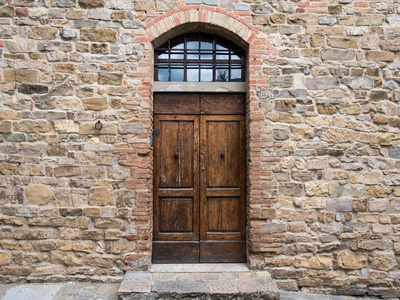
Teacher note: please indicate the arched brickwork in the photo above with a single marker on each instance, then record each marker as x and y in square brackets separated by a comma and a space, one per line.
[260, 186]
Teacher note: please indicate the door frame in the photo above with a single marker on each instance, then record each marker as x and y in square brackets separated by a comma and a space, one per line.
[244, 192]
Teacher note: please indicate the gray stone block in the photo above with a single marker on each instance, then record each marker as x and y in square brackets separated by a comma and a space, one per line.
[180, 287]
[211, 2]
[241, 7]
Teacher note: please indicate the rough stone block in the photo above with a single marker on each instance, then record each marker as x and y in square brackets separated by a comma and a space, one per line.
[38, 194]
[98, 35]
[95, 103]
[42, 33]
[66, 126]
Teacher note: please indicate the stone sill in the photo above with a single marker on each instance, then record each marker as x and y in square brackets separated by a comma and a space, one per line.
[200, 87]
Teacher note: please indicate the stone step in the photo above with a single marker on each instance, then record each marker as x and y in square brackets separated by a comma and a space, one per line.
[198, 281]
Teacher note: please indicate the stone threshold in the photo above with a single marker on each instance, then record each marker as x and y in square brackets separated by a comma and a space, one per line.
[198, 281]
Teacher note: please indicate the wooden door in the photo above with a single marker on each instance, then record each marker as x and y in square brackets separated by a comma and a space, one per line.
[222, 189]
[199, 178]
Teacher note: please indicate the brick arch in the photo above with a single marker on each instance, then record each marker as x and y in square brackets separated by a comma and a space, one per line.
[261, 187]
[201, 14]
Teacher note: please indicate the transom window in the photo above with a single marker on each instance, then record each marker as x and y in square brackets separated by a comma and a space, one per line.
[199, 57]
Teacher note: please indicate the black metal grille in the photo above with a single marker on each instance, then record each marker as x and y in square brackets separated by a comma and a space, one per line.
[199, 57]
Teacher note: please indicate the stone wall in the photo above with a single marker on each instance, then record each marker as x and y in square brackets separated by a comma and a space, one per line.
[323, 137]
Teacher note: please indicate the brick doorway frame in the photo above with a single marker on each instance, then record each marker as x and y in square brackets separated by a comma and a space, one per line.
[260, 197]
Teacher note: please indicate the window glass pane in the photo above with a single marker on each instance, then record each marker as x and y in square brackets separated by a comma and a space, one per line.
[236, 74]
[162, 74]
[222, 47]
[206, 55]
[222, 75]
[163, 55]
[176, 55]
[192, 44]
[206, 74]
[222, 56]
[235, 57]
[176, 74]
[193, 74]
[199, 57]
[177, 46]
[193, 55]
[206, 44]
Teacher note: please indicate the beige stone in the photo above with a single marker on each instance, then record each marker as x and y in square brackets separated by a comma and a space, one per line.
[72, 104]
[91, 3]
[81, 223]
[45, 245]
[5, 258]
[101, 196]
[110, 78]
[378, 192]
[108, 223]
[88, 128]
[66, 126]
[33, 126]
[350, 109]
[38, 194]
[65, 67]
[384, 261]
[144, 4]
[123, 246]
[380, 55]
[388, 139]
[15, 245]
[352, 260]
[10, 114]
[8, 169]
[95, 103]
[301, 132]
[338, 135]
[43, 270]
[342, 42]
[15, 270]
[67, 258]
[370, 178]
[21, 75]
[317, 188]
[99, 261]
[69, 233]
[98, 35]
[314, 262]
[42, 33]
[284, 118]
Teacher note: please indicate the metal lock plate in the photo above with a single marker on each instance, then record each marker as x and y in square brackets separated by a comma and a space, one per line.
[156, 131]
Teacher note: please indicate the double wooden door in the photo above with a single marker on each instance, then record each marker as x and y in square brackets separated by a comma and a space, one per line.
[199, 178]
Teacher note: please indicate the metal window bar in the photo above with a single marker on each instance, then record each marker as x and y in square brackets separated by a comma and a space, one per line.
[178, 58]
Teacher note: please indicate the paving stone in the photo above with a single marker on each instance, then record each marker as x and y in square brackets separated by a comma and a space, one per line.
[32, 292]
[222, 287]
[180, 287]
[135, 286]
[136, 275]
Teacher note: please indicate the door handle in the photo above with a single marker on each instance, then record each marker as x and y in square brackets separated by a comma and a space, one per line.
[222, 154]
[176, 154]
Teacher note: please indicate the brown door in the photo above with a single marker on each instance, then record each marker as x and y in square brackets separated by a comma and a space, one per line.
[199, 178]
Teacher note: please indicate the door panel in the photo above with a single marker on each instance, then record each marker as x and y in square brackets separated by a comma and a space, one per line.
[176, 215]
[176, 158]
[199, 180]
[222, 188]
[176, 178]
[223, 214]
